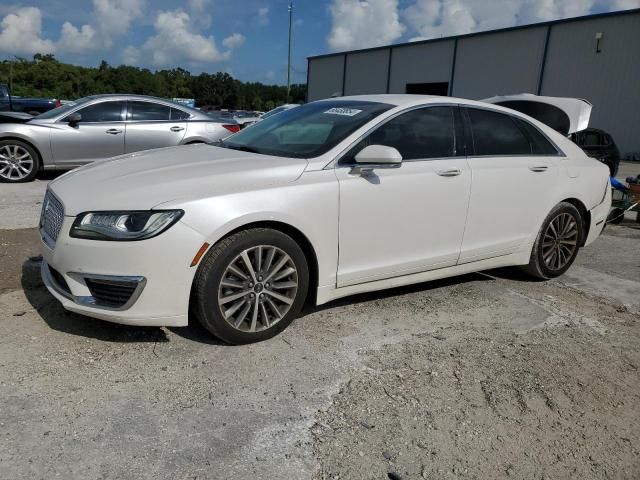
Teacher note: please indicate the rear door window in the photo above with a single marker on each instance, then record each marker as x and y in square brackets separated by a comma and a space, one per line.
[148, 112]
[496, 134]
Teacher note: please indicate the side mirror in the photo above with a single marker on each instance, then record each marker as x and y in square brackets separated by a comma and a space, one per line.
[74, 118]
[377, 156]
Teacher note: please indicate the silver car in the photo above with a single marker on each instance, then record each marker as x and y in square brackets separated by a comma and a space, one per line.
[100, 126]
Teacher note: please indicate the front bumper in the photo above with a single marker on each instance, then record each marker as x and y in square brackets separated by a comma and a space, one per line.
[158, 267]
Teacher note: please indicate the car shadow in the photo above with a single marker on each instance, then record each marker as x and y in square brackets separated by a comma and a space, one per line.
[57, 318]
[50, 174]
[197, 333]
[423, 287]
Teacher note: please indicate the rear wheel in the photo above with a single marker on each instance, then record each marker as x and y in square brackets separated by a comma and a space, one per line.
[557, 243]
[251, 286]
[19, 162]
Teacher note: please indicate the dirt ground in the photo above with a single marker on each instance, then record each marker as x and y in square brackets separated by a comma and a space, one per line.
[482, 376]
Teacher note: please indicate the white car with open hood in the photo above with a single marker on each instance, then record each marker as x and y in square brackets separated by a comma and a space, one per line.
[326, 200]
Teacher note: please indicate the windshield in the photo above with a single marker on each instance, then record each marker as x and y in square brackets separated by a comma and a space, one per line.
[274, 111]
[307, 131]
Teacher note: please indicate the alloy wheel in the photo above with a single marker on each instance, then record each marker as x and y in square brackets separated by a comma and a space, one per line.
[258, 288]
[560, 241]
[16, 163]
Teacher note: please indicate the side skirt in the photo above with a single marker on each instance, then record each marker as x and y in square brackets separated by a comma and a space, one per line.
[521, 257]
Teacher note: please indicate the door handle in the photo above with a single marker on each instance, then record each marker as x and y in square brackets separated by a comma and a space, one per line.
[539, 168]
[176, 129]
[452, 172]
[113, 131]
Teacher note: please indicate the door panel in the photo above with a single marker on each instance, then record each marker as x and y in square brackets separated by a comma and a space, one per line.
[401, 221]
[410, 219]
[150, 125]
[509, 201]
[514, 174]
[86, 142]
[99, 134]
[147, 135]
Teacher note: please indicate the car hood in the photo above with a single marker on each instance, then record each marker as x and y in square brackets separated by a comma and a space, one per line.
[143, 180]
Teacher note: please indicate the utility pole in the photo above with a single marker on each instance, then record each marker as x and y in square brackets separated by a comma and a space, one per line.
[289, 58]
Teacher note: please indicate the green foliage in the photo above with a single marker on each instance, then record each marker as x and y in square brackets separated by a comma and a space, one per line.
[44, 76]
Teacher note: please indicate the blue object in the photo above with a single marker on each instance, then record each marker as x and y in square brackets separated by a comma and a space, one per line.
[617, 184]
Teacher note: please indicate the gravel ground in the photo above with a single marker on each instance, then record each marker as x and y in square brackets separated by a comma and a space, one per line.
[488, 375]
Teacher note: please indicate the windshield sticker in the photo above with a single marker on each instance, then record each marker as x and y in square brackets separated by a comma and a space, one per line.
[347, 112]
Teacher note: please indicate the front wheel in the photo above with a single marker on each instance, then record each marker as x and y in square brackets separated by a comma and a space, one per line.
[251, 286]
[557, 243]
[19, 162]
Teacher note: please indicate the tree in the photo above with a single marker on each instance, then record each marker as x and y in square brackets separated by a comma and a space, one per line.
[45, 76]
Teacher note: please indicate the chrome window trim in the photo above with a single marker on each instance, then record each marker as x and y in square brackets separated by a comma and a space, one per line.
[123, 113]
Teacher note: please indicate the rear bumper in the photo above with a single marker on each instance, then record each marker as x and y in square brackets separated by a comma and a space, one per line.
[599, 216]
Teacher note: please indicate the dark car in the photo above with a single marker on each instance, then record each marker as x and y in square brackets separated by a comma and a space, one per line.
[598, 144]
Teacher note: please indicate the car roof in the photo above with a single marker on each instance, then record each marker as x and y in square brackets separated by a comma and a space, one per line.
[197, 114]
[407, 100]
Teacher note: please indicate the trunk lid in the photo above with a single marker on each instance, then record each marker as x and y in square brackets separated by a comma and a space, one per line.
[564, 114]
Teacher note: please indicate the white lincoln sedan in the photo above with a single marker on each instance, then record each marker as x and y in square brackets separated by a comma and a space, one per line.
[329, 199]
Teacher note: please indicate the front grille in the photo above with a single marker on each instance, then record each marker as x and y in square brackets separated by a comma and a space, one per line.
[52, 216]
[111, 293]
[59, 279]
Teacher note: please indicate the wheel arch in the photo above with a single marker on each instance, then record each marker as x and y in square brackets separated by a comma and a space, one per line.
[585, 215]
[28, 142]
[298, 236]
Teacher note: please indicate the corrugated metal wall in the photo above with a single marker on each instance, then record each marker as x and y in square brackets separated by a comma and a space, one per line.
[499, 63]
[609, 79]
[325, 77]
[367, 72]
[426, 63]
[510, 62]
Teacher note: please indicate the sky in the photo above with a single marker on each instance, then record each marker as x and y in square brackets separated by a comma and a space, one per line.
[248, 38]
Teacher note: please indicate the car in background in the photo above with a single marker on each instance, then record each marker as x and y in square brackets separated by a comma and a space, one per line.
[330, 199]
[33, 106]
[241, 118]
[245, 119]
[98, 127]
[279, 109]
[600, 145]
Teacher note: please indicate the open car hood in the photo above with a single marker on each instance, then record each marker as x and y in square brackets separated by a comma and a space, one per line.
[566, 115]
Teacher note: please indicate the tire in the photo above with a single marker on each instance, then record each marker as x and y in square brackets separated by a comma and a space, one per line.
[551, 257]
[616, 216]
[19, 161]
[254, 312]
[613, 168]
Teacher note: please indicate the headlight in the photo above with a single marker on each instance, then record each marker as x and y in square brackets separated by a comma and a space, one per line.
[123, 226]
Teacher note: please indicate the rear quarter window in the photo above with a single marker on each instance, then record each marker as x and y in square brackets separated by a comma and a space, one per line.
[540, 145]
